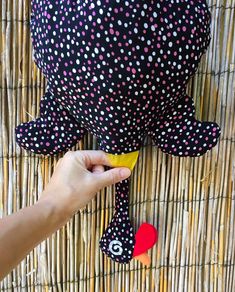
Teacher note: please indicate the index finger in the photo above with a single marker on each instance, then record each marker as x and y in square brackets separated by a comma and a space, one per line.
[93, 157]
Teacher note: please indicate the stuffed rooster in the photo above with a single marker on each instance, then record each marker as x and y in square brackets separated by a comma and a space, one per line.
[119, 69]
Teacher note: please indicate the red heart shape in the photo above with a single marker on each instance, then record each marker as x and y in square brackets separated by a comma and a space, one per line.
[145, 238]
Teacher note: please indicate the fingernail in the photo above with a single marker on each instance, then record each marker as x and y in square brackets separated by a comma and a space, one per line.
[124, 172]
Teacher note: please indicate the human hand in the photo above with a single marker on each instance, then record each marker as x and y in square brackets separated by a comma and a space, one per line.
[77, 177]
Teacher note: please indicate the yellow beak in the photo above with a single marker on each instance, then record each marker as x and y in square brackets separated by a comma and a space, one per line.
[127, 160]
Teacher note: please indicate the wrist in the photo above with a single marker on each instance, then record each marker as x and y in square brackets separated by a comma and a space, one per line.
[55, 210]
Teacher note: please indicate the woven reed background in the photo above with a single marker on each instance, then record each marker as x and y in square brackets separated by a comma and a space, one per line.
[190, 200]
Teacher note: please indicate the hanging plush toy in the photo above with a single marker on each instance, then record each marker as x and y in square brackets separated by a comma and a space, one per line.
[119, 69]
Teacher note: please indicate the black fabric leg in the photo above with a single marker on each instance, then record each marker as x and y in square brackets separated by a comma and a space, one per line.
[178, 132]
[54, 131]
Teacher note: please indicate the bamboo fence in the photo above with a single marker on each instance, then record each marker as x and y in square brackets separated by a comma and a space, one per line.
[190, 200]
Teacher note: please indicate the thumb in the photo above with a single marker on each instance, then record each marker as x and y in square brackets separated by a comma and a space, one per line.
[113, 176]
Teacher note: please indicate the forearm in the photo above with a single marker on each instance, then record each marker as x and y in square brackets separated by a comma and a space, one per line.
[25, 229]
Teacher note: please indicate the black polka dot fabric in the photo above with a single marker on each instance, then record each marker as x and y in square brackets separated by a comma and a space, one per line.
[118, 240]
[119, 70]
[54, 122]
[180, 134]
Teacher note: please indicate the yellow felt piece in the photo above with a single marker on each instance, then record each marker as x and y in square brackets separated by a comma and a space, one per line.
[144, 258]
[126, 159]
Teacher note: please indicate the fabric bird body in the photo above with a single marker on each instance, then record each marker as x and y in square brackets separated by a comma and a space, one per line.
[119, 70]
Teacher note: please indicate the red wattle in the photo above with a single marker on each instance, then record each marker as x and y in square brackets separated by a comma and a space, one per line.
[145, 238]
